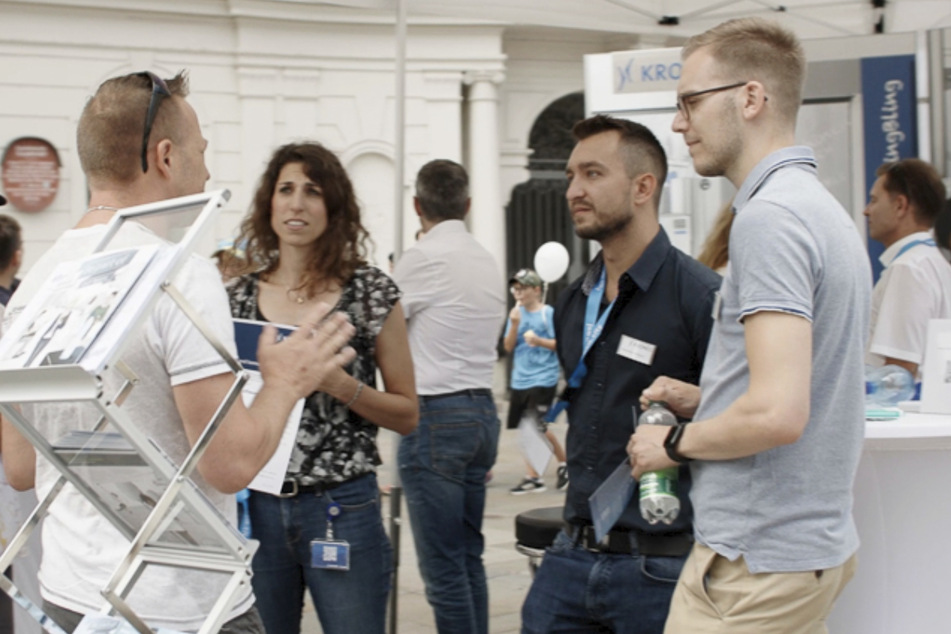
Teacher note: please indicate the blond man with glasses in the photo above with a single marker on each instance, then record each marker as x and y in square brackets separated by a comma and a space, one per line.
[779, 413]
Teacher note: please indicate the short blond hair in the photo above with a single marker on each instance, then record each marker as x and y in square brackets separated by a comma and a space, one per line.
[109, 135]
[754, 49]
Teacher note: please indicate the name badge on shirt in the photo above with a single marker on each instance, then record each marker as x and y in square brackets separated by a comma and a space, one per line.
[636, 350]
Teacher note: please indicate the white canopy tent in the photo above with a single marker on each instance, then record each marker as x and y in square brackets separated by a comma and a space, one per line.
[682, 18]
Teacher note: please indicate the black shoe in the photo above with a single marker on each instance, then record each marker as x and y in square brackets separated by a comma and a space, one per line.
[528, 485]
[562, 477]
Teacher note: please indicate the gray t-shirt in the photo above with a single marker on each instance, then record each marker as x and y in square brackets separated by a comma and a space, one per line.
[793, 249]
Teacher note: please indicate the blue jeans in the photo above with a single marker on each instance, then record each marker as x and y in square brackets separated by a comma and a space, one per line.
[576, 590]
[443, 464]
[347, 602]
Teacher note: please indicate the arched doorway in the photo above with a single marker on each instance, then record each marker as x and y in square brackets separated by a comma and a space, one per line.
[537, 211]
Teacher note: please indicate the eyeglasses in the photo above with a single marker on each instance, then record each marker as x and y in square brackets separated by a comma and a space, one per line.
[159, 90]
[683, 100]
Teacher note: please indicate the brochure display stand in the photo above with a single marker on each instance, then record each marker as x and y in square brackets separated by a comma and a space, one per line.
[59, 352]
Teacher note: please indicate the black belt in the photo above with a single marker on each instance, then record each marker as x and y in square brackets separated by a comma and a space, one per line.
[472, 392]
[623, 542]
[292, 488]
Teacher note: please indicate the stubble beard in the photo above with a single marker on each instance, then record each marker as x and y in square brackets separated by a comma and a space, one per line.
[721, 158]
[601, 231]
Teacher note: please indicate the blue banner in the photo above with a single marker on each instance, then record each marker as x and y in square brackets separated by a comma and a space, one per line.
[891, 121]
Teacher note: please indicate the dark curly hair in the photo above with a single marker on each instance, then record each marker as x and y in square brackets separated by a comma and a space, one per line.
[340, 249]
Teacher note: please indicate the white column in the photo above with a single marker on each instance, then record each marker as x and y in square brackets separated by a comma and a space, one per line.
[486, 216]
[434, 131]
[260, 98]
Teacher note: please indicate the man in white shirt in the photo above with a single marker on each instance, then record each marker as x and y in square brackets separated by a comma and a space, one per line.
[915, 286]
[454, 299]
[182, 380]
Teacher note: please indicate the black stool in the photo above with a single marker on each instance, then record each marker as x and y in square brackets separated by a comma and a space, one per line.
[535, 530]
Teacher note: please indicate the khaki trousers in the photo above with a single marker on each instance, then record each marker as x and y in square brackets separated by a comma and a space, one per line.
[717, 596]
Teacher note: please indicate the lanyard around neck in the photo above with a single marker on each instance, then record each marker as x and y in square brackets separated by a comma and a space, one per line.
[593, 327]
[593, 324]
[911, 245]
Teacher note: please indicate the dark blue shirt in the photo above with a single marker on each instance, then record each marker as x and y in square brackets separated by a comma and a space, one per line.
[6, 293]
[665, 299]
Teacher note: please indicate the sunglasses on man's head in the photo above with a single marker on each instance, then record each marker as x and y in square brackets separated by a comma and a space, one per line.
[159, 90]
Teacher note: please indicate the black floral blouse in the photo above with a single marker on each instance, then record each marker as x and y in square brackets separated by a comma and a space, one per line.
[335, 444]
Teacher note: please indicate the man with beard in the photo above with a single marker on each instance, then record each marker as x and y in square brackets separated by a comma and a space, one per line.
[642, 310]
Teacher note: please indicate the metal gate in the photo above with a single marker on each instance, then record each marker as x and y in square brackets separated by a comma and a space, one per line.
[538, 213]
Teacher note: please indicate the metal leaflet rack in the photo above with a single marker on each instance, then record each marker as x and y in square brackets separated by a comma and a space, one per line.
[172, 524]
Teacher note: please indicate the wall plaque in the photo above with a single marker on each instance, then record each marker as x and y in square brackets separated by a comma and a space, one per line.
[30, 168]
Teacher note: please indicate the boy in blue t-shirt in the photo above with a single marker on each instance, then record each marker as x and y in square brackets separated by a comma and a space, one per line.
[530, 332]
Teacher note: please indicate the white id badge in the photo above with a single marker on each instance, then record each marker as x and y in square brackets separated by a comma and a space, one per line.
[330, 554]
[636, 350]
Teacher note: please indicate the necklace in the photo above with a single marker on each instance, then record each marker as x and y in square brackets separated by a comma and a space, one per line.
[294, 296]
[103, 208]
[298, 293]
[293, 292]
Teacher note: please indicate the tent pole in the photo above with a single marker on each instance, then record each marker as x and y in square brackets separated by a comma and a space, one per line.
[399, 153]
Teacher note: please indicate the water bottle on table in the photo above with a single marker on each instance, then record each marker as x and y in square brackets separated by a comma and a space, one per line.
[888, 385]
[658, 490]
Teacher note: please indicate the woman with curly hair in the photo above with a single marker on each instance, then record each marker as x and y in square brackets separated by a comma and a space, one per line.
[304, 237]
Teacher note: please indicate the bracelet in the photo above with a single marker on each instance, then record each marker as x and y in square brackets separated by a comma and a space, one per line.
[356, 395]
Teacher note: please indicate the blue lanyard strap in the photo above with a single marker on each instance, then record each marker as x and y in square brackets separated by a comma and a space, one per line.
[593, 327]
[929, 242]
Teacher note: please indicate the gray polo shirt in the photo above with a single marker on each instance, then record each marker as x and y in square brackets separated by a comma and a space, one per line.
[793, 249]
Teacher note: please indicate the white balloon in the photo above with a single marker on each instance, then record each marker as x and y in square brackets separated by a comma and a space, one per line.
[551, 261]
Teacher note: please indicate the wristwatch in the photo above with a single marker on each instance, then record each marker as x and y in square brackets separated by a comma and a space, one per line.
[671, 442]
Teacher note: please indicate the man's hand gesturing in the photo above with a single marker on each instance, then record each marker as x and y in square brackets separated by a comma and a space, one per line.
[302, 361]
